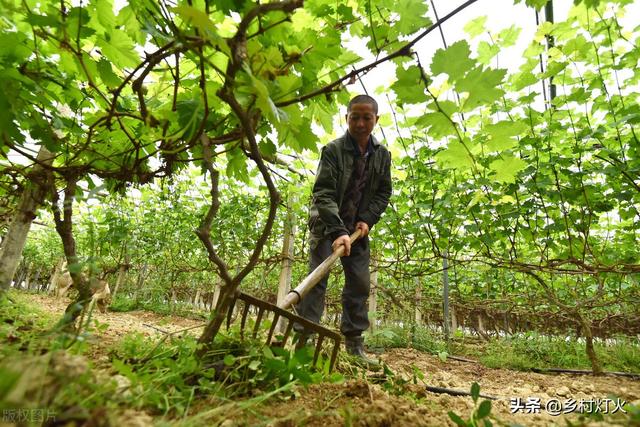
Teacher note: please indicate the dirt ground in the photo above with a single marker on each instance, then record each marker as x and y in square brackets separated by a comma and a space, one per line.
[362, 402]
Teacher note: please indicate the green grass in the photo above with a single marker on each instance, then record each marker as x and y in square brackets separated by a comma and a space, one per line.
[534, 351]
[161, 376]
[523, 352]
[413, 337]
[124, 304]
[23, 326]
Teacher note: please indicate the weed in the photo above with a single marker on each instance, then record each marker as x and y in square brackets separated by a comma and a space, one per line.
[416, 337]
[168, 376]
[123, 304]
[23, 327]
[480, 414]
[531, 350]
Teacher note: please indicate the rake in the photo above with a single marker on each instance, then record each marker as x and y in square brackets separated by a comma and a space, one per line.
[280, 312]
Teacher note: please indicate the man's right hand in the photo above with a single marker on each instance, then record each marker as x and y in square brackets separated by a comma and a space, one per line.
[345, 241]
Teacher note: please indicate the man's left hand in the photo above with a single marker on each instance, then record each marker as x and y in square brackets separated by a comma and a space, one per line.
[364, 227]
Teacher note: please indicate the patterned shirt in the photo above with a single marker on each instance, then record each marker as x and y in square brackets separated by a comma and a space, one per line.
[357, 184]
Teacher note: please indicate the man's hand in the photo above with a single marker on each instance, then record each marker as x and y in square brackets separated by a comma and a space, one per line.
[345, 241]
[361, 225]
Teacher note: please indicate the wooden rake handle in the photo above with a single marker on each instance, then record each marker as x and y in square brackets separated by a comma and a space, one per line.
[295, 295]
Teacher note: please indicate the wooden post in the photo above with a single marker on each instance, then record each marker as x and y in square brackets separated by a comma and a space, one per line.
[284, 284]
[27, 278]
[454, 319]
[418, 298]
[445, 296]
[195, 303]
[174, 299]
[36, 280]
[54, 277]
[122, 274]
[507, 329]
[21, 274]
[140, 282]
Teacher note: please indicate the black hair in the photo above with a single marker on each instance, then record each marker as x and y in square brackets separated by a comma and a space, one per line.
[363, 99]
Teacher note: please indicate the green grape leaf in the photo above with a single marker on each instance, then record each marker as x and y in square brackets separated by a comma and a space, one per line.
[524, 79]
[127, 19]
[537, 4]
[438, 125]
[412, 16]
[409, 86]
[104, 13]
[486, 52]
[197, 17]
[118, 48]
[107, 75]
[455, 156]
[43, 20]
[263, 100]
[476, 26]
[509, 36]
[506, 128]
[507, 168]
[499, 144]
[345, 12]
[237, 165]
[553, 69]
[267, 148]
[448, 107]
[454, 61]
[481, 84]
[13, 47]
[501, 135]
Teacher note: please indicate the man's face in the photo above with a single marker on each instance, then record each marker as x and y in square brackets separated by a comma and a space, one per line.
[361, 120]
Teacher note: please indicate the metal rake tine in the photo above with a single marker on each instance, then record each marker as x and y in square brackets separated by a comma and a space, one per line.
[272, 329]
[318, 348]
[230, 311]
[293, 319]
[258, 320]
[334, 354]
[287, 332]
[245, 314]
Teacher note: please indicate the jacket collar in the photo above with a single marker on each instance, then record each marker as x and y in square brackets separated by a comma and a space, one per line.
[350, 144]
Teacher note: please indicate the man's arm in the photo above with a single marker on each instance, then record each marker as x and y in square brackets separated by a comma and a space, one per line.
[325, 193]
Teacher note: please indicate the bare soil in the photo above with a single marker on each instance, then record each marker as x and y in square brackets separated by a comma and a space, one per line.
[365, 403]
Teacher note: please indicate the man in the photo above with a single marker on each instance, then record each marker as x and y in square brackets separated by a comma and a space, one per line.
[352, 190]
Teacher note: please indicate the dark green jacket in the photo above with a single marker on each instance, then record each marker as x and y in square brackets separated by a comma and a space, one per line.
[332, 178]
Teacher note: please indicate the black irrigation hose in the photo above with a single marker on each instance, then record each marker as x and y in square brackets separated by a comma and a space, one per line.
[632, 375]
[452, 392]
[461, 359]
[635, 376]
